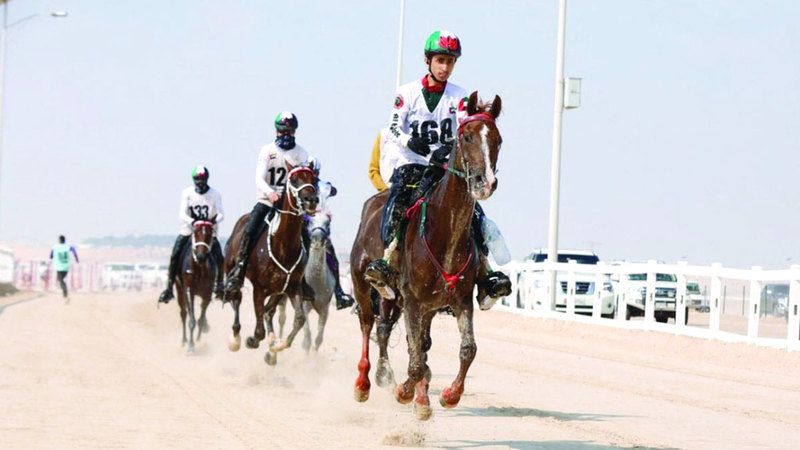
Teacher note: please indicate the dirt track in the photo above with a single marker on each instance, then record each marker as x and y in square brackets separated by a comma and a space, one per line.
[108, 371]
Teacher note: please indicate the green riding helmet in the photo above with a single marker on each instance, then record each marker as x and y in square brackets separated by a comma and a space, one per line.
[200, 172]
[442, 42]
[285, 121]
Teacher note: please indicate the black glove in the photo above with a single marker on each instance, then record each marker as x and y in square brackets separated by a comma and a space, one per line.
[419, 146]
[441, 155]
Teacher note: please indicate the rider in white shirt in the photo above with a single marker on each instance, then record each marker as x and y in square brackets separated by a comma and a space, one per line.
[275, 161]
[423, 127]
[198, 202]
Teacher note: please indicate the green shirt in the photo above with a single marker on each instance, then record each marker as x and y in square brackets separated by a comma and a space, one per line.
[60, 257]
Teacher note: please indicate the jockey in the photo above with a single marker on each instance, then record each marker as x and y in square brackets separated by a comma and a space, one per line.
[424, 121]
[326, 191]
[198, 202]
[275, 160]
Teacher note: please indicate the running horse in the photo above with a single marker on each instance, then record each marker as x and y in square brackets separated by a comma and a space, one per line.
[196, 278]
[438, 263]
[276, 263]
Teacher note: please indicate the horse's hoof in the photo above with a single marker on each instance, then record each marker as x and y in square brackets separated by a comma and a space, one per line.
[360, 396]
[446, 398]
[384, 376]
[271, 358]
[423, 412]
[251, 342]
[234, 342]
[400, 396]
[190, 350]
[204, 327]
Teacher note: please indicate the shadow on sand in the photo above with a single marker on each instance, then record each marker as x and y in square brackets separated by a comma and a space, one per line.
[510, 411]
[17, 302]
[542, 445]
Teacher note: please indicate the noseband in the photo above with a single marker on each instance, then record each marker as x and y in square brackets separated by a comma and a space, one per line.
[195, 243]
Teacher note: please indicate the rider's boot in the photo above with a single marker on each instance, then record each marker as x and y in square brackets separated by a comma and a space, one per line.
[235, 278]
[343, 300]
[177, 249]
[492, 286]
[216, 251]
[382, 274]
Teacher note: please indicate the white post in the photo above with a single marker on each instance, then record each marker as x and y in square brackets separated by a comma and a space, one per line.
[793, 332]
[716, 294]
[400, 44]
[622, 300]
[599, 281]
[650, 296]
[570, 306]
[3, 26]
[555, 162]
[754, 309]
[680, 297]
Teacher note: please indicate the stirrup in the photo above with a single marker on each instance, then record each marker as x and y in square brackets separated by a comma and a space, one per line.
[380, 274]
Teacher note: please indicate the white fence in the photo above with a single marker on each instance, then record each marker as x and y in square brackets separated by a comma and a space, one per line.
[38, 275]
[525, 295]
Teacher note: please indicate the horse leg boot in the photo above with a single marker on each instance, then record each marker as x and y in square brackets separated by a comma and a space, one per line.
[252, 230]
[342, 300]
[492, 285]
[216, 252]
[174, 263]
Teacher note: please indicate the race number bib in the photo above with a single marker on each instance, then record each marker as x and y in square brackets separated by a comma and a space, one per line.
[434, 133]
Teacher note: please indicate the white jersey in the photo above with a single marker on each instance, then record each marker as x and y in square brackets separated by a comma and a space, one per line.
[274, 164]
[411, 117]
[202, 206]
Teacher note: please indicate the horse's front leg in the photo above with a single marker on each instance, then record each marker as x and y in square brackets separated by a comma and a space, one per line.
[281, 316]
[182, 306]
[192, 322]
[299, 321]
[323, 319]
[271, 357]
[451, 396]
[235, 341]
[202, 322]
[418, 372]
[258, 307]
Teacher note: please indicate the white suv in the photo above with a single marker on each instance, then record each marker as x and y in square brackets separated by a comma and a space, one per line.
[585, 288]
[664, 299]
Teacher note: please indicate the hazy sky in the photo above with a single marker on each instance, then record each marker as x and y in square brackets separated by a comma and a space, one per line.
[686, 144]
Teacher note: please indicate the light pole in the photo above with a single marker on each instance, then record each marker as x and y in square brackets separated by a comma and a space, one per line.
[400, 45]
[4, 27]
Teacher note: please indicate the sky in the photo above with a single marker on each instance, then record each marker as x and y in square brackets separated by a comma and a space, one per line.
[686, 144]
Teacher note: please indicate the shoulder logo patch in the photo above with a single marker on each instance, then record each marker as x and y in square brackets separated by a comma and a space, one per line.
[398, 101]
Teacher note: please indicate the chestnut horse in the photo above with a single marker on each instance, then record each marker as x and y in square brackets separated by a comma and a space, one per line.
[276, 264]
[196, 277]
[437, 265]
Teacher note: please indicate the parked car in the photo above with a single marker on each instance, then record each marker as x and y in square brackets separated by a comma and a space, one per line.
[695, 299]
[121, 276]
[666, 287]
[585, 289]
[775, 299]
[153, 274]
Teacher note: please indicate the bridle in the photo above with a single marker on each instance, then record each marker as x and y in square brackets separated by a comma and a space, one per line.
[467, 173]
[294, 192]
[195, 243]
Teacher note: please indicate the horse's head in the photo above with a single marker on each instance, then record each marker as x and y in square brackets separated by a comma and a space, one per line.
[479, 143]
[319, 228]
[301, 186]
[202, 239]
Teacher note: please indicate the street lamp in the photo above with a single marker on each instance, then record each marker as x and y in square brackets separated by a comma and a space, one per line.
[3, 31]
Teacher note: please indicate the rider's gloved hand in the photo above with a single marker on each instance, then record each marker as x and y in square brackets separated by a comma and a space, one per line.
[419, 146]
[441, 155]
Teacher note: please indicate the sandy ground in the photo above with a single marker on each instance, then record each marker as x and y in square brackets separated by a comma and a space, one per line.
[108, 371]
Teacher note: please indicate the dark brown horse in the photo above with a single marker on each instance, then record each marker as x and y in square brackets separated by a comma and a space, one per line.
[196, 278]
[276, 264]
[438, 262]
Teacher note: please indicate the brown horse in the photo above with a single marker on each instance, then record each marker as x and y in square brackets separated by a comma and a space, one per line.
[276, 264]
[438, 262]
[196, 277]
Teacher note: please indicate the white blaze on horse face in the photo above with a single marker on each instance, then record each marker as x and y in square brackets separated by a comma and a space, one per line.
[488, 172]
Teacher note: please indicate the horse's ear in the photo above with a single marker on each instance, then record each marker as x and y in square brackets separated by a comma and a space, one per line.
[472, 104]
[214, 219]
[497, 105]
